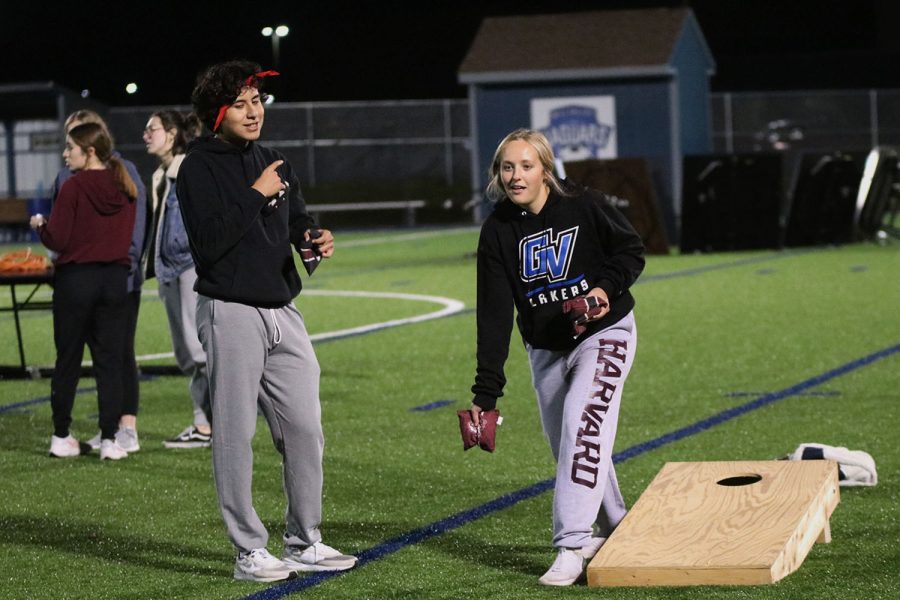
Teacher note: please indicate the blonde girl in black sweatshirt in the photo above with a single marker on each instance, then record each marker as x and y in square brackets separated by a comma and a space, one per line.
[564, 258]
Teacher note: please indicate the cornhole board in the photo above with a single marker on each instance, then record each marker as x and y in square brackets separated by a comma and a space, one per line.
[721, 523]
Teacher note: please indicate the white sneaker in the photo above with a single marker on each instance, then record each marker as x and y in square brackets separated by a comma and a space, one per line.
[592, 547]
[94, 442]
[64, 447]
[318, 557]
[127, 438]
[109, 449]
[566, 569]
[259, 565]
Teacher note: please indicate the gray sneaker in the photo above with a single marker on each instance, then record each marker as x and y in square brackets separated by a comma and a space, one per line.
[127, 438]
[318, 557]
[259, 565]
[189, 438]
[94, 442]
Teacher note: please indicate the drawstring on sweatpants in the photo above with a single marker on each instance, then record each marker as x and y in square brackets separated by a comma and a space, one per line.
[276, 337]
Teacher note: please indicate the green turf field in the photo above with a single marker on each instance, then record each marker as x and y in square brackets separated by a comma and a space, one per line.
[715, 332]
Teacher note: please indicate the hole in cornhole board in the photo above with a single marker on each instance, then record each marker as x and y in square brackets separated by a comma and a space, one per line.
[739, 480]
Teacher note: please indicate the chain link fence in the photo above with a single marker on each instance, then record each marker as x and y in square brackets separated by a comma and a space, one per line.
[810, 121]
[357, 152]
[380, 151]
[799, 124]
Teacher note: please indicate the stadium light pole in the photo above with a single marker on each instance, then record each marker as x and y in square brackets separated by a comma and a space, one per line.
[276, 33]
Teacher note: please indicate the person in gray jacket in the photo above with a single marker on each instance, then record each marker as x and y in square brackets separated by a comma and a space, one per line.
[166, 136]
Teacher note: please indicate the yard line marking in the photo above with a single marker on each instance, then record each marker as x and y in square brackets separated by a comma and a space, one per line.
[405, 237]
[153, 294]
[431, 405]
[431, 530]
[450, 307]
[455, 307]
[726, 265]
[458, 307]
[24, 403]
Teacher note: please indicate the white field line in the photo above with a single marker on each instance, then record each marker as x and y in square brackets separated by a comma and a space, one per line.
[404, 237]
[449, 307]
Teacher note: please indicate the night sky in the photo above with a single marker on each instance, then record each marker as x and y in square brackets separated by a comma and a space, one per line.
[397, 50]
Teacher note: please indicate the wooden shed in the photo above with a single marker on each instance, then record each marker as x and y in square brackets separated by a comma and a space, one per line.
[600, 84]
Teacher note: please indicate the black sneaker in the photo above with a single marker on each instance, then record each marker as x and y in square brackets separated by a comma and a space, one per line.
[189, 438]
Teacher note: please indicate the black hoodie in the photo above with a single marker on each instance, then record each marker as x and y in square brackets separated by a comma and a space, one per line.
[240, 240]
[536, 262]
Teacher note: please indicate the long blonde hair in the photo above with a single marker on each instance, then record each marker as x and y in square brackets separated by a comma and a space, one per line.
[87, 116]
[541, 144]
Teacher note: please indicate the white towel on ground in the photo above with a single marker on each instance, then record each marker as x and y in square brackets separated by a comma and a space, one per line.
[856, 468]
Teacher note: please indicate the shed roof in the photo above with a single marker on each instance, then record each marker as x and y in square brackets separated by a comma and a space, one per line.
[40, 100]
[596, 44]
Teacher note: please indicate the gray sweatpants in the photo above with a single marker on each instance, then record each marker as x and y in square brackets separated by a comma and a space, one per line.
[579, 394]
[180, 300]
[263, 357]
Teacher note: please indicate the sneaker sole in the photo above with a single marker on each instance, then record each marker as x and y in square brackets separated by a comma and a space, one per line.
[564, 582]
[83, 448]
[241, 576]
[295, 566]
[186, 445]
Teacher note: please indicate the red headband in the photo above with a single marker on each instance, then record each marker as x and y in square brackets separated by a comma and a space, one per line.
[249, 82]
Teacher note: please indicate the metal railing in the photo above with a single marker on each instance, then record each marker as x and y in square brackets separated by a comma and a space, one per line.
[408, 149]
[343, 142]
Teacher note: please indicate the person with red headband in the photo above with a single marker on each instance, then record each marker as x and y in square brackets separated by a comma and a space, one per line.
[243, 210]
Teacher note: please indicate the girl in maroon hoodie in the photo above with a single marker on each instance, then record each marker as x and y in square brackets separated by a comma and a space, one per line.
[90, 228]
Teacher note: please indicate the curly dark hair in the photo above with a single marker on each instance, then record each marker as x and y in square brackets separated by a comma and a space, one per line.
[219, 85]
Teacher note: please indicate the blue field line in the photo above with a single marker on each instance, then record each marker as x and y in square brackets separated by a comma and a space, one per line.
[462, 518]
[431, 405]
[726, 265]
[24, 403]
[745, 394]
